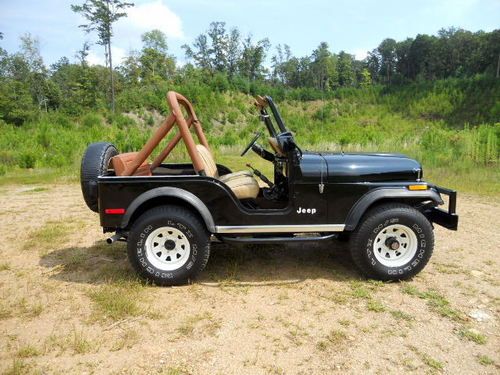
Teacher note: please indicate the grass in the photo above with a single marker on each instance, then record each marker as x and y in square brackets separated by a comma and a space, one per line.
[116, 302]
[209, 327]
[448, 268]
[27, 351]
[37, 189]
[360, 289]
[46, 175]
[345, 322]
[174, 371]
[75, 342]
[80, 344]
[18, 367]
[432, 363]
[401, 315]
[473, 335]
[5, 310]
[485, 360]
[436, 301]
[375, 306]
[29, 310]
[20, 307]
[48, 236]
[127, 340]
[335, 338]
[4, 266]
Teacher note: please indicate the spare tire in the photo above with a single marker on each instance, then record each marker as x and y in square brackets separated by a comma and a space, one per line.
[95, 163]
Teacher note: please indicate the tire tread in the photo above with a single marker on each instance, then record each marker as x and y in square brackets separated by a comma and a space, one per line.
[368, 221]
[172, 211]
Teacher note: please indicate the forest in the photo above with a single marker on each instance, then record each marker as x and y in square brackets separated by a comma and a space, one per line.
[434, 97]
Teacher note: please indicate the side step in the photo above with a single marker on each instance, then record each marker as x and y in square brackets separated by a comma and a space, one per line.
[273, 240]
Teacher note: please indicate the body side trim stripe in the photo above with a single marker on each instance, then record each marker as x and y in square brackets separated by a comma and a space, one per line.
[311, 228]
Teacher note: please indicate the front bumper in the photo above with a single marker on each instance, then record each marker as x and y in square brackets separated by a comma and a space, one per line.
[445, 218]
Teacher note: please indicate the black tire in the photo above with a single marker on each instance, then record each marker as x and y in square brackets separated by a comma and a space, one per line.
[380, 228]
[95, 163]
[155, 264]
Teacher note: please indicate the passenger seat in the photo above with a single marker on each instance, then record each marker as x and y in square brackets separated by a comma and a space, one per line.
[242, 183]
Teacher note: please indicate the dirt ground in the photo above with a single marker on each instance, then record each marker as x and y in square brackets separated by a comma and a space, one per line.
[69, 303]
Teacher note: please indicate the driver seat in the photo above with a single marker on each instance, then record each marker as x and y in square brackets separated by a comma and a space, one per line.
[243, 184]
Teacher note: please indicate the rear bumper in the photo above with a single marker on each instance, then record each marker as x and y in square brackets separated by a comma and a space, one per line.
[446, 218]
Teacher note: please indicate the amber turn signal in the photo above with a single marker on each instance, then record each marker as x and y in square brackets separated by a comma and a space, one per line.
[417, 187]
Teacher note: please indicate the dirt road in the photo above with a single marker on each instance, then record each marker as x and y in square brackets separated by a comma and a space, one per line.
[71, 304]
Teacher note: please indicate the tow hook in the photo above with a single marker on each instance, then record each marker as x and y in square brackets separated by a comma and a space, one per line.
[114, 238]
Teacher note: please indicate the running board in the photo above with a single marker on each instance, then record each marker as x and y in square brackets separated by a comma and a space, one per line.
[272, 240]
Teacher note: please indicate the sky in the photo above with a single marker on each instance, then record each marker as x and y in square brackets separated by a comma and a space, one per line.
[355, 26]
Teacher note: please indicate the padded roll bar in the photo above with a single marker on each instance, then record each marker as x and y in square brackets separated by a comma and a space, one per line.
[175, 101]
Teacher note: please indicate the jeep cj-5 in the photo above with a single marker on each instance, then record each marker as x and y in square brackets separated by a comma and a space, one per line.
[169, 213]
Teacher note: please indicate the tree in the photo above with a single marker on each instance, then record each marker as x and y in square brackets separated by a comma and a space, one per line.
[324, 68]
[366, 79]
[155, 60]
[131, 68]
[81, 55]
[345, 71]
[200, 52]
[252, 57]
[422, 57]
[219, 44]
[101, 15]
[280, 62]
[233, 51]
[387, 53]
[403, 57]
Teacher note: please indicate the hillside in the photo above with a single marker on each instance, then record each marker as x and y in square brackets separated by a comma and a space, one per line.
[448, 125]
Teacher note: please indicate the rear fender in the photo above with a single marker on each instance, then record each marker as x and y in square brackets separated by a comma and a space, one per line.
[170, 192]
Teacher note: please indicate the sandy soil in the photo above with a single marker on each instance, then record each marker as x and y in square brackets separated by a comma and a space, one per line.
[255, 310]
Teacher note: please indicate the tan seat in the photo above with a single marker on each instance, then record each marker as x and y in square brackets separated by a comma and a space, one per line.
[242, 183]
[121, 161]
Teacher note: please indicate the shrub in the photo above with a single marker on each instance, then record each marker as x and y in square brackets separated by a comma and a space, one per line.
[27, 160]
[90, 120]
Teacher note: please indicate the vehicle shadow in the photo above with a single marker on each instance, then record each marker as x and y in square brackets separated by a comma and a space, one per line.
[245, 265]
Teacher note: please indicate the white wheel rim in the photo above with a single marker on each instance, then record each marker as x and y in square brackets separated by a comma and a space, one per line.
[167, 248]
[395, 245]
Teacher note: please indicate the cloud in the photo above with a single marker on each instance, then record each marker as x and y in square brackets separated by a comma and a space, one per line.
[97, 57]
[360, 53]
[152, 15]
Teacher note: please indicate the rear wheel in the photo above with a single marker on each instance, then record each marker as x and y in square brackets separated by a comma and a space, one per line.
[168, 245]
[394, 242]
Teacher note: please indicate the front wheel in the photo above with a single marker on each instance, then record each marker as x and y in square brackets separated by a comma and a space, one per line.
[394, 242]
[168, 245]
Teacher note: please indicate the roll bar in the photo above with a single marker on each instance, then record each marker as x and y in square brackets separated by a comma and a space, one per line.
[175, 101]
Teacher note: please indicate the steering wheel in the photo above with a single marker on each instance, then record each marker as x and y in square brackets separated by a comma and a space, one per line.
[252, 142]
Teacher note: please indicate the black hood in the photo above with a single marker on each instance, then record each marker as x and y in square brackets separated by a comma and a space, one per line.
[360, 167]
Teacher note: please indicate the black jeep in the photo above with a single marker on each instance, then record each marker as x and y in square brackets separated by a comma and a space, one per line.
[170, 213]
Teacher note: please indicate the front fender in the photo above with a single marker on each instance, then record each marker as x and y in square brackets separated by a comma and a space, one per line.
[371, 197]
[170, 192]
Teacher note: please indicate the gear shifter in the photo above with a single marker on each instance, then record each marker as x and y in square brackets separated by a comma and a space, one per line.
[261, 176]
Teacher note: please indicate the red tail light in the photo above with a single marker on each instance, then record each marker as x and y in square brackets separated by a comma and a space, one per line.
[114, 211]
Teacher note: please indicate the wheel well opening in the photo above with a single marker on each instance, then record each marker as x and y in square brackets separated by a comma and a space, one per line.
[162, 201]
[416, 203]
